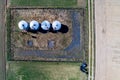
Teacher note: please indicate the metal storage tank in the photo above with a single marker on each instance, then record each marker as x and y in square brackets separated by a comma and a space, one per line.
[45, 25]
[56, 25]
[23, 25]
[34, 25]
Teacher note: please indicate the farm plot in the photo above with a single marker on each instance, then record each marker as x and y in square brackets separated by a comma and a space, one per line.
[69, 46]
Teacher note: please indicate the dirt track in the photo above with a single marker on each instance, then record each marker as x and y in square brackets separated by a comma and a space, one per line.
[2, 40]
[107, 26]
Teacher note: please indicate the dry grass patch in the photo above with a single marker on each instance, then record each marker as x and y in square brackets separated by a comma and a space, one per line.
[62, 40]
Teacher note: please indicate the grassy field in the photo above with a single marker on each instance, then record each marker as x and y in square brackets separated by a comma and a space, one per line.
[2, 40]
[65, 3]
[44, 71]
[8, 34]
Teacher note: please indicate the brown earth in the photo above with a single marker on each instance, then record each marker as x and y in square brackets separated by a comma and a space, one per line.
[19, 39]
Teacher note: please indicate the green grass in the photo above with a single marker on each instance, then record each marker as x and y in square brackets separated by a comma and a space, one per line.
[8, 35]
[44, 71]
[45, 3]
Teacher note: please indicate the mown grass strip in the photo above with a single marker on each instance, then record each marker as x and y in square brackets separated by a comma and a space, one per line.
[47, 3]
[44, 71]
[8, 25]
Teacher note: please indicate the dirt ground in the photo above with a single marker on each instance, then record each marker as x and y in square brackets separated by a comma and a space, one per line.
[69, 45]
[19, 39]
[107, 26]
[81, 3]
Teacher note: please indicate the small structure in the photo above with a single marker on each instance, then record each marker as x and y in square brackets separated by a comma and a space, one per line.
[30, 43]
[23, 25]
[45, 25]
[56, 25]
[51, 44]
[83, 68]
[34, 25]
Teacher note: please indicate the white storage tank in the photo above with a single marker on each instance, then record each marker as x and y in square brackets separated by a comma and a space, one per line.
[34, 25]
[23, 25]
[56, 25]
[45, 25]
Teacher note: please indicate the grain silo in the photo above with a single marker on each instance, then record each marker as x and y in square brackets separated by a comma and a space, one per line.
[23, 25]
[56, 25]
[45, 25]
[34, 25]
